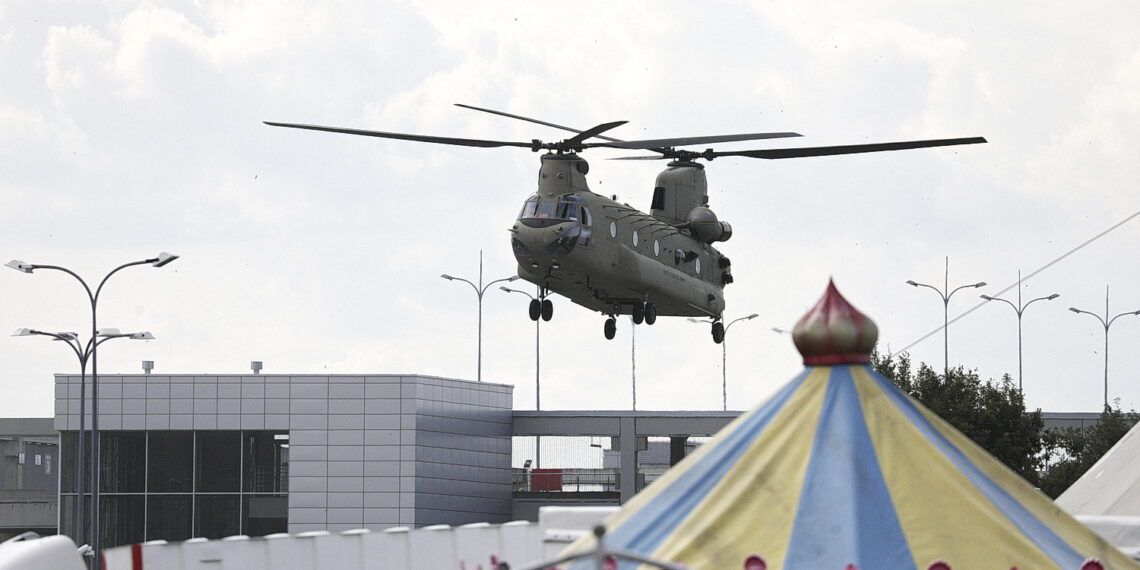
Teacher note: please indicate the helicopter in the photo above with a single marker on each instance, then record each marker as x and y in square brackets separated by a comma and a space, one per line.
[610, 257]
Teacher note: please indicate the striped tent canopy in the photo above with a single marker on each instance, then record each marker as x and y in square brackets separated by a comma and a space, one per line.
[839, 470]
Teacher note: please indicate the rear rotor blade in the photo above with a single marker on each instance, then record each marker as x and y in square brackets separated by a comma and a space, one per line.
[776, 153]
[406, 137]
[578, 138]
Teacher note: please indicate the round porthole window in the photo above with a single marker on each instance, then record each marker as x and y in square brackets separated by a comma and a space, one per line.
[656, 247]
[697, 266]
[635, 239]
[613, 229]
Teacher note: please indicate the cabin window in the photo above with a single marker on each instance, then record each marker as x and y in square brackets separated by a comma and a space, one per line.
[656, 248]
[613, 229]
[584, 225]
[635, 238]
[697, 266]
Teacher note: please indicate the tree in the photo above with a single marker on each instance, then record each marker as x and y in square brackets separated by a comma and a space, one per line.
[991, 413]
[1073, 451]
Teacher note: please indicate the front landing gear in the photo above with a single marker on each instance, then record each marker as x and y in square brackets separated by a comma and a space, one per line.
[718, 332]
[541, 308]
[610, 328]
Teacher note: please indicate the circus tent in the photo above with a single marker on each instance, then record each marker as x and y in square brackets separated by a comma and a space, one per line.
[841, 469]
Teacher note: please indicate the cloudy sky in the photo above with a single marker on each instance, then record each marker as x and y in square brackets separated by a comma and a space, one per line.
[131, 128]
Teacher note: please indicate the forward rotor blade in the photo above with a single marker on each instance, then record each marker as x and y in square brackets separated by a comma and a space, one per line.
[530, 120]
[682, 141]
[588, 133]
[776, 153]
[406, 137]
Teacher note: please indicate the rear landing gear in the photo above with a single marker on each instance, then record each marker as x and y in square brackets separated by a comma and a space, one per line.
[638, 313]
[650, 313]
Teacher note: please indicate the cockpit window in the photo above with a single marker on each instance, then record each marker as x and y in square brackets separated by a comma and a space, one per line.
[565, 208]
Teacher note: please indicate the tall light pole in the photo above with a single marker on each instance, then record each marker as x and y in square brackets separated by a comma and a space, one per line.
[479, 290]
[724, 356]
[946, 311]
[537, 384]
[82, 352]
[1019, 309]
[1106, 323]
[160, 261]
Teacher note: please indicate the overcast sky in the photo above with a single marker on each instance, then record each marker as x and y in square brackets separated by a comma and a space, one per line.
[129, 128]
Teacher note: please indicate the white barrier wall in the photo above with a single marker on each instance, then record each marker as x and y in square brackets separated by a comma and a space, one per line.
[468, 547]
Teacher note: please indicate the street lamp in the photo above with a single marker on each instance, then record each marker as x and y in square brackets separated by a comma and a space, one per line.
[1019, 309]
[82, 351]
[724, 357]
[537, 385]
[1106, 323]
[479, 290]
[161, 260]
[946, 311]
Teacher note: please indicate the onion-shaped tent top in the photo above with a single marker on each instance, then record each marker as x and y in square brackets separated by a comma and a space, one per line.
[840, 469]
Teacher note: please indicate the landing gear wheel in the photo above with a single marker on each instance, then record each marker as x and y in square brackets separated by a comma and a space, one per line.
[638, 313]
[535, 309]
[610, 329]
[650, 313]
[718, 332]
[547, 310]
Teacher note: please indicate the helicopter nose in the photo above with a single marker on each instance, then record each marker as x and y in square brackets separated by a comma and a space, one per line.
[542, 245]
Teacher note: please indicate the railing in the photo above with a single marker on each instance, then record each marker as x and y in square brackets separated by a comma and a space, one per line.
[564, 480]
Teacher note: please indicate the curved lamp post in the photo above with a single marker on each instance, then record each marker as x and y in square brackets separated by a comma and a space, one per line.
[724, 357]
[83, 352]
[479, 290]
[1019, 309]
[1106, 323]
[537, 385]
[946, 311]
[161, 260]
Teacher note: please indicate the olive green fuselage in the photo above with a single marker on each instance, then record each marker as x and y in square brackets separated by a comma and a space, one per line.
[608, 256]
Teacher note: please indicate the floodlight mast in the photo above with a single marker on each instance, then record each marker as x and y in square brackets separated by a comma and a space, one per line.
[479, 290]
[1019, 308]
[1106, 323]
[946, 310]
[91, 352]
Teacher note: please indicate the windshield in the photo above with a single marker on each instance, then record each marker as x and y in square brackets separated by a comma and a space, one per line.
[566, 207]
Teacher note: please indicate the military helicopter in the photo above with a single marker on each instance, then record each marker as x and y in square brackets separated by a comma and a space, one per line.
[611, 257]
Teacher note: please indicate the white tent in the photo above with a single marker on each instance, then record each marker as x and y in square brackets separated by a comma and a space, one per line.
[1107, 497]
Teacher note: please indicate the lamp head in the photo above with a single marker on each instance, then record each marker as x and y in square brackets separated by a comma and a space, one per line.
[108, 332]
[513, 278]
[752, 316]
[163, 258]
[67, 336]
[145, 335]
[448, 277]
[980, 284]
[1053, 296]
[23, 332]
[19, 266]
[986, 297]
[1074, 309]
[911, 283]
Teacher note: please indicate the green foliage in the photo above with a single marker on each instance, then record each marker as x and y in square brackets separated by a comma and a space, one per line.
[1075, 450]
[990, 413]
[993, 415]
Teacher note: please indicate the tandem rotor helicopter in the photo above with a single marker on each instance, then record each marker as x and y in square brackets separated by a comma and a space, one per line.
[615, 259]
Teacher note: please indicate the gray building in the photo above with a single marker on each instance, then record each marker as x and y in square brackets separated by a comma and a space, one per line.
[29, 471]
[214, 456]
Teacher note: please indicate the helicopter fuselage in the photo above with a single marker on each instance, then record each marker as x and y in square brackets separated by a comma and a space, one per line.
[608, 256]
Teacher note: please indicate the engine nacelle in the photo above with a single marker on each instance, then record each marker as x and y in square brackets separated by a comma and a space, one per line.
[702, 222]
